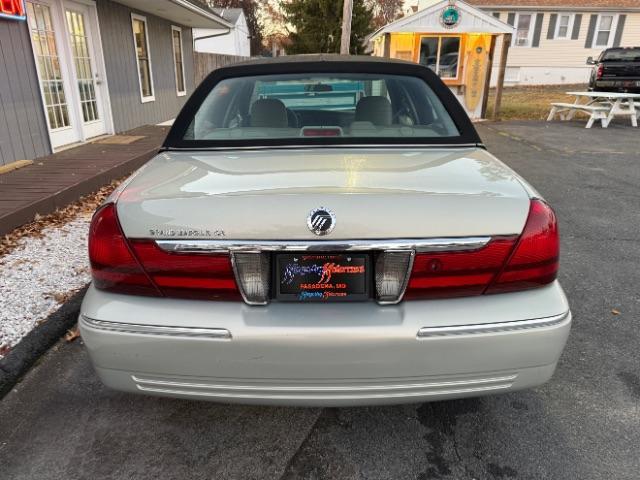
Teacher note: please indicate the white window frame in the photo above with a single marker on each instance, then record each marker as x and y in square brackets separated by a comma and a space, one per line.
[572, 18]
[152, 97]
[532, 27]
[612, 32]
[180, 93]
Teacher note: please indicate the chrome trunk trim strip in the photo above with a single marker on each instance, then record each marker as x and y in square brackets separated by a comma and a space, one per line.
[455, 330]
[195, 332]
[417, 245]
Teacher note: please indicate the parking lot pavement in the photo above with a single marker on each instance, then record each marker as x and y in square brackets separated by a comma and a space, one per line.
[584, 424]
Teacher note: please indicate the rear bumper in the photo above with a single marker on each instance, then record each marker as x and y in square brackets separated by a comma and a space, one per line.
[341, 354]
[626, 85]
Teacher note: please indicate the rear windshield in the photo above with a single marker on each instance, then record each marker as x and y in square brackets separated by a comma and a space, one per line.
[627, 55]
[299, 106]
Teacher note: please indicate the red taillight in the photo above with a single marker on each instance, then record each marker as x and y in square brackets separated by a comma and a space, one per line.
[113, 266]
[457, 274]
[140, 267]
[505, 265]
[202, 276]
[600, 71]
[535, 260]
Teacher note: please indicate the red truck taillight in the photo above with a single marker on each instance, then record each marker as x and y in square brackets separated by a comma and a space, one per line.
[600, 71]
[504, 265]
[140, 267]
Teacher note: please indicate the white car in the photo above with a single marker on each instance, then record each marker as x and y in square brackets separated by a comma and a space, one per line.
[324, 231]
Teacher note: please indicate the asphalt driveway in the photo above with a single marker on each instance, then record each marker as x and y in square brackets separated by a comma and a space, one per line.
[60, 422]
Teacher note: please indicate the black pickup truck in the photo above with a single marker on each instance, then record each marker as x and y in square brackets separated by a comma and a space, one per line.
[616, 70]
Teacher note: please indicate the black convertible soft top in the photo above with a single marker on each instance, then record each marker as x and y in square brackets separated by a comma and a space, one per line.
[321, 63]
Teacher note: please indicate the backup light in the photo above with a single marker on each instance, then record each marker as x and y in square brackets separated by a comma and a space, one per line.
[392, 273]
[252, 276]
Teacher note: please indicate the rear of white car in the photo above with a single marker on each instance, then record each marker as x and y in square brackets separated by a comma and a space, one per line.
[303, 273]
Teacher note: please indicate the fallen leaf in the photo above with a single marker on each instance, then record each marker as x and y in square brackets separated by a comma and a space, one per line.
[72, 334]
[615, 311]
[86, 205]
[59, 297]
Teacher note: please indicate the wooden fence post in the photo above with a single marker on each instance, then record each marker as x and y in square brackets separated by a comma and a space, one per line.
[506, 42]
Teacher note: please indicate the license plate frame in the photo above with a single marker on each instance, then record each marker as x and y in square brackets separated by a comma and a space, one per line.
[357, 285]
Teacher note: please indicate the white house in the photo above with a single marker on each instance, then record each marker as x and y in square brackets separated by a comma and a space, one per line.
[554, 37]
[234, 41]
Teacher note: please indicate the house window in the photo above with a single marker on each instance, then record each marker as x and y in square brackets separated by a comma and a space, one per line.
[141, 43]
[565, 22]
[441, 54]
[603, 30]
[512, 74]
[178, 60]
[524, 30]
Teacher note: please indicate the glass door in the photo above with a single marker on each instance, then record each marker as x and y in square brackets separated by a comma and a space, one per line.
[89, 85]
[52, 73]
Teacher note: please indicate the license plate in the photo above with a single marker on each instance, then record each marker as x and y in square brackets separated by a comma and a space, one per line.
[309, 277]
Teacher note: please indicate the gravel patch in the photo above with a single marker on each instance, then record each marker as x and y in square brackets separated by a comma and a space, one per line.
[39, 275]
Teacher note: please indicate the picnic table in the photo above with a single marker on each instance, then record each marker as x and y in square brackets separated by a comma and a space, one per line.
[600, 106]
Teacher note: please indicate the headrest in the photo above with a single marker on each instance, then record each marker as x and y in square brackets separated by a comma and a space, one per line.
[376, 110]
[269, 113]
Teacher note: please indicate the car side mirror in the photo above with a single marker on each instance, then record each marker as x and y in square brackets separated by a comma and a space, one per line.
[591, 61]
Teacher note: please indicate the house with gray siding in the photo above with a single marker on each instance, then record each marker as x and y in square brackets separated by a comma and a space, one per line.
[74, 70]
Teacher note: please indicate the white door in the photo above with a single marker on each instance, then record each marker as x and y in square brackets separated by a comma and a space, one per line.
[64, 39]
[88, 80]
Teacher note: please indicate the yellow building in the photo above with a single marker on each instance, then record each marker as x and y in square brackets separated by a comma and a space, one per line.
[455, 40]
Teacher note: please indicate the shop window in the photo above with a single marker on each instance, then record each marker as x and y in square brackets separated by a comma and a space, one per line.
[441, 54]
[178, 60]
[563, 29]
[141, 43]
[524, 30]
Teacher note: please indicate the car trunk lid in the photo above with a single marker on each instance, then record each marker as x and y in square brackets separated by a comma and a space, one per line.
[374, 194]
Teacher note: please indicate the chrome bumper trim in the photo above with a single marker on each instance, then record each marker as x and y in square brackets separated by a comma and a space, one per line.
[431, 332]
[191, 332]
[417, 245]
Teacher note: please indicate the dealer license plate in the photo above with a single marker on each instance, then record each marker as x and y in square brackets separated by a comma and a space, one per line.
[311, 277]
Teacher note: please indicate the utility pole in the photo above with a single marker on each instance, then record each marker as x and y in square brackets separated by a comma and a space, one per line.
[345, 40]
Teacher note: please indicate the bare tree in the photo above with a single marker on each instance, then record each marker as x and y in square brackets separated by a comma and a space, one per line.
[385, 11]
